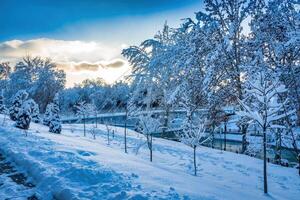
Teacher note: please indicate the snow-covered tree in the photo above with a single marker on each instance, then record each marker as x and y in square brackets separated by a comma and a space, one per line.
[216, 53]
[264, 108]
[48, 81]
[24, 115]
[3, 109]
[35, 112]
[194, 134]
[39, 77]
[91, 110]
[17, 102]
[148, 125]
[54, 118]
[291, 137]
[226, 59]
[193, 127]
[153, 72]
[19, 79]
[5, 70]
[83, 110]
[275, 38]
[46, 118]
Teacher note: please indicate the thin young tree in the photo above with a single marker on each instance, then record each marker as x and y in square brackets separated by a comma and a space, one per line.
[125, 128]
[83, 110]
[108, 130]
[193, 134]
[81, 113]
[149, 125]
[193, 128]
[264, 108]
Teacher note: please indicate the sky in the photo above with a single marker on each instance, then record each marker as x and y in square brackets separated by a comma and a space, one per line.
[85, 37]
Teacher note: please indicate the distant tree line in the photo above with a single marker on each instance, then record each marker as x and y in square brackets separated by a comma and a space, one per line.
[39, 77]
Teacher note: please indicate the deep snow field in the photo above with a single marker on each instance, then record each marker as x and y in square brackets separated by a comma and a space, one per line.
[71, 166]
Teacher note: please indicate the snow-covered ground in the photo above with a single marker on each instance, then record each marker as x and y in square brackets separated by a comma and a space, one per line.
[70, 166]
[14, 183]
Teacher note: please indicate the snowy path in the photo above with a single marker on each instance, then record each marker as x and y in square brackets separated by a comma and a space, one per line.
[14, 184]
[72, 166]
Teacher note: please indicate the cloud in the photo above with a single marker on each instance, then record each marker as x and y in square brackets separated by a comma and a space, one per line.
[115, 64]
[71, 56]
[59, 50]
[87, 67]
[90, 66]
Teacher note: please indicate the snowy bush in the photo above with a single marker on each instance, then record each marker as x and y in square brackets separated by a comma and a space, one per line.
[34, 110]
[54, 119]
[35, 115]
[24, 115]
[18, 100]
[46, 118]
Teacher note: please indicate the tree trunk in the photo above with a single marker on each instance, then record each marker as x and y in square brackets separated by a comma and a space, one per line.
[244, 141]
[265, 161]
[108, 137]
[298, 116]
[84, 126]
[151, 148]
[278, 147]
[166, 120]
[96, 119]
[299, 163]
[195, 165]
[125, 132]
[213, 137]
[221, 143]
[4, 118]
[225, 131]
